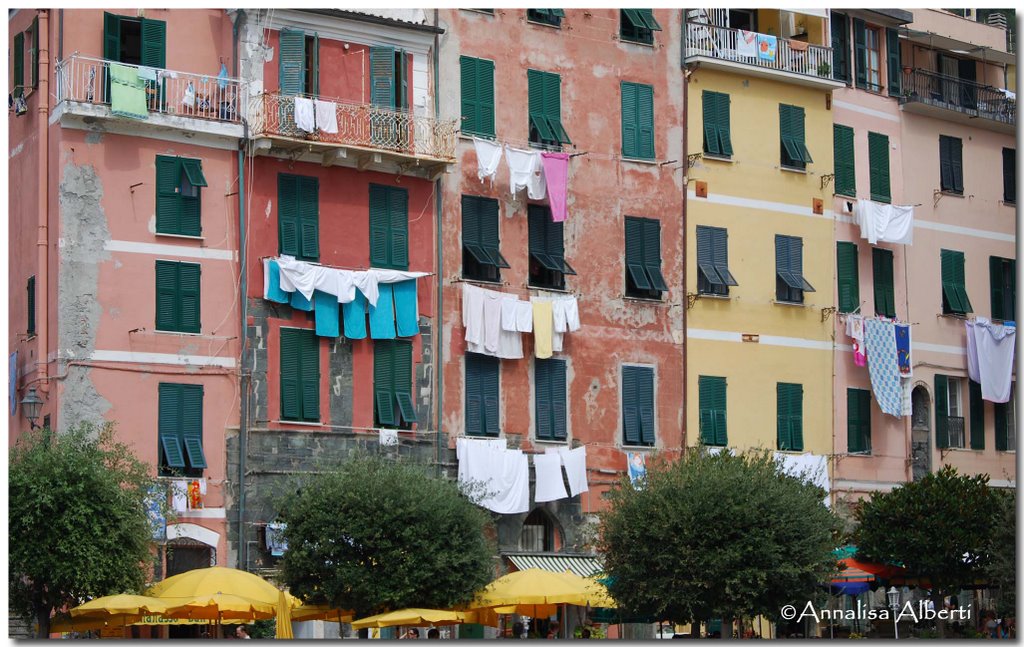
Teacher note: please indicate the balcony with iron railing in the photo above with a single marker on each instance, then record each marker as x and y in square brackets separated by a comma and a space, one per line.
[173, 100]
[955, 432]
[366, 136]
[794, 60]
[954, 99]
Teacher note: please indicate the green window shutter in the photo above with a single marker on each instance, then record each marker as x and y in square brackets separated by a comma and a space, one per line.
[878, 158]
[291, 374]
[860, 52]
[782, 417]
[18, 81]
[382, 76]
[482, 395]
[398, 207]
[189, 297]
[292, 62]
[33, 53]
[840, 47]
[191, 173]
[154, 43]
[471, 235]
[722, 108]
[941, 412]
[1010, 175]
[380, 226]
[848, 276]
[469, 88]
[995, 277]
[706, 256]
[491, 396]
[709, 100]
[977, 415]
[711, 397]
[630, 406]
[645, 121]
[383, 382]
[166, 295]
[559, 399]
[169, 424]
[542, 380]
[645, 396]
[168, 198]
[485, 97]
[192, 424]
[720, 247]
[474, 397]
[315, 65]
[402, 385]
[31, 289]
[553, 107]
[288, 215]
[490, 239]
[798, 130]
[652, 254]
[843, 151]
[789, 404]
[892, 52]
[945, 164]
[635, 253]
[858, 420]
[111, 36]
[538, 117]
[954, 291]
[630, 121]
[796, 408]
[791, 129]
[309, 217]
[309, 357]
[951, 163]
[1002, 430]
[885, 301]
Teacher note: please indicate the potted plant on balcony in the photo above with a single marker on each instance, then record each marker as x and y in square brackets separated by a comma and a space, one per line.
[824, 69]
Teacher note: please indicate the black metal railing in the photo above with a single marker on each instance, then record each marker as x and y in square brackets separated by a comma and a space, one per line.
[955, 431]
[952, 93]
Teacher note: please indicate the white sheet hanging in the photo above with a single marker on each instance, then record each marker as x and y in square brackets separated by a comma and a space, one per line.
[488, 157]
[549, 485]
[885, 223]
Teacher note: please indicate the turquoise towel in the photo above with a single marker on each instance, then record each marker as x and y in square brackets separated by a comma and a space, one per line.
[354, 313]
[274, 291]
[382, 315]
[406, 315]
[127, 92]
[300, 302]
[326, 314]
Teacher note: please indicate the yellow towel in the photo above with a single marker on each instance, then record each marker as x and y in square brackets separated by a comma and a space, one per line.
[543, 327]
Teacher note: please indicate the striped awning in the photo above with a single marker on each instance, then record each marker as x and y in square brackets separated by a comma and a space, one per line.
[582, 565]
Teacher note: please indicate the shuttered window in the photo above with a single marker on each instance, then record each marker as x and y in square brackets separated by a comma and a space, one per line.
[298, 216]
[858, 421]
[31, 290]
[637, 120]
[941, 412]
[545, 98]
[840, 47]
[18, 80]
[179, 182]
[894, 66]
[638, 25]
[550, 399]
[713, 275]
[949, 421]
[482, 395]
[790, 417]
[177, 296]
[148, 49]
[977, 406]
[300, 375]
[717, 133]
[180, 429]
[878, 160]
[638, 405]
[644, 279]
[1006, 423]
[848, 276]
[885, 294]
[291, 61]
[860, 53]
[33, 52]
[954, 291]
[481, 258]
[951, 164]
[392, 384]
[711, 394]
[793, 146]
[551, 17]
[843, 151]
[790, 283]
[389, 227]
[1010, 175]
[1003, 285]
[477, 77]
[547, 249]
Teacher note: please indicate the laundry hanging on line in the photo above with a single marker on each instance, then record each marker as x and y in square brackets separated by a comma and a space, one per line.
[990, 353]
[884, 223]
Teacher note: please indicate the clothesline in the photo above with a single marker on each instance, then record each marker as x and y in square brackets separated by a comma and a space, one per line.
[340, 267]
[528, 145]
[518, 289]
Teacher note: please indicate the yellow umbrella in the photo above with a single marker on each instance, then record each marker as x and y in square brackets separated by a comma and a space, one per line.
[284, 617]
[63, 624]
[532, 610]
[114, 605]
[414, 618]
[320, 612]
[533, 586]
[218, 606]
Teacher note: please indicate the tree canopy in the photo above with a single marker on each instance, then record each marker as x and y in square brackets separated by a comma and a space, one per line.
[77, 518]
[1001, 570]
[377, 535]
[940, 528]
[716, 536]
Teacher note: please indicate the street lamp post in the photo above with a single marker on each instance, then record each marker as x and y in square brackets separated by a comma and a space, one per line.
[894, 603]
[31, 404]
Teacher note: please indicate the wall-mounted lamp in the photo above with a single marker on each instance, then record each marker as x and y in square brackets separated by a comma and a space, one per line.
[31, 404]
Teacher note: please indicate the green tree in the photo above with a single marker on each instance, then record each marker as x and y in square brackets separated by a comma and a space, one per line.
[378, 535]
[711, 536]
[1001, 570]
[77, 518]
[940, 529]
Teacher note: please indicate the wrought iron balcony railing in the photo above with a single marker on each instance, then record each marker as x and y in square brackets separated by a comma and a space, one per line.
[704, 39]
[959, 95]
[955, 431]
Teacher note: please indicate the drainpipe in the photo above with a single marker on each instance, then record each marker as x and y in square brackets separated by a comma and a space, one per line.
[439, 316]
[43, 241]
[686, 185]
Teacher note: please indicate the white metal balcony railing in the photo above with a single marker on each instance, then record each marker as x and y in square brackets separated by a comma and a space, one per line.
[83, 79]
[360, 125]
[703, 39]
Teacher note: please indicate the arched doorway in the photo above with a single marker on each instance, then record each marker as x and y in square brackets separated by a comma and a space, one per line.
[921, 432]
[186, 554]
[539, 534]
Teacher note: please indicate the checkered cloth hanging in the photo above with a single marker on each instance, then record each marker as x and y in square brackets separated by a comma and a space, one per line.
[880, 343]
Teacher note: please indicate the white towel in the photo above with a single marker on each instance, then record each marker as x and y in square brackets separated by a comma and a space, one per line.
[304, 114]
[521, 165]
[537, 188]
[524, 316]
[995, 359]
[885, 223]
[508, 314]
[488, 156]
[326, 116]
[473, 314]
[388, 437]
[550, 487]
[558, 313]
[746, 44]
[575, 462]
[179, 496]
[492, 320]
[556, 341]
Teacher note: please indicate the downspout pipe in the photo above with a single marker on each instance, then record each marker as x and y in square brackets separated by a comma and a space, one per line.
[439, 316]
[686, 185]
[43, 229]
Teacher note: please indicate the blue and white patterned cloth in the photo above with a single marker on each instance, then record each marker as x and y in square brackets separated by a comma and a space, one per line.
[880, 343]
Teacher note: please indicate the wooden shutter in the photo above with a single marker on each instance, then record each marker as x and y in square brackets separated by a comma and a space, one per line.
[553, 101]
[710, 116]
[309, 357]
[782, 430]
[635, 253]
[471, 228]
[645, 396]
[490, 239]
[314, 63]
[712, 410]
[720, 247]
[154, 43]
[559, 399]
[860, 52]
[945, 164]
[956, 163]
[166, 295]
[168, 199]
[538, 116]
[789, 403]
[706, 254]
[288, 215]
[847, 276]
[292, 62]
[630, 406]
[949, 293]
[189, 297]
[111, 36]
[191, 223]
[630, 120]
[469, 88]
[796, 416]
[33, 53]
[1001, 419]
[941, 412]
[977, 415]
[309, 217]
[18, 82]
[31, 290]
[858, 420]
[382, 76]
[474, 397]
[1010, 175]
[380, 225]
[878, 159]
[485, 97]
[892, 55]
[645, 121]
[960, 280]
[652, 254]
[402, 385]
[840, 47]
[542, 380]
[885, 300]
[783, 259]
[169, 424]
[383, 381]
[843, 151]
[1002, 284]
[722, 107]
[291, 374]
[398, 211]
[192, 424]
[490, 392]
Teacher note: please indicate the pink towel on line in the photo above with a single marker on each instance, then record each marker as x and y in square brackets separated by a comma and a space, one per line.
[556, 172]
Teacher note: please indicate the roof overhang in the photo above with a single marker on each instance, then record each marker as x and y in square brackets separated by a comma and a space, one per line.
[582, 565]
[963, 48]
